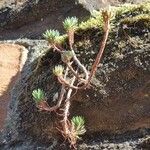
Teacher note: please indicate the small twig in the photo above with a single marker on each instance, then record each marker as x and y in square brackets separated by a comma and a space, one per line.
[43, 106]
[74, 72]
[57, 49]
[65, 83]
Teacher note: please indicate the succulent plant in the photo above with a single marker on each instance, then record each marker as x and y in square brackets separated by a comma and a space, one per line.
[78, 124]
[66, 56]
[58, 70]
[38, 95]
[70, 23]
[52, 36]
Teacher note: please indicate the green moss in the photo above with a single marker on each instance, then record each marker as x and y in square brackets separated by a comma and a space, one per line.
[132, 10]
[92, 23]
[118, 13]
[143, 19]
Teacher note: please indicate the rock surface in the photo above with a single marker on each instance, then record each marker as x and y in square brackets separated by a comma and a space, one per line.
[116, 109]
[33, 17]
[30, 18]
[100, 4]
[10, 66]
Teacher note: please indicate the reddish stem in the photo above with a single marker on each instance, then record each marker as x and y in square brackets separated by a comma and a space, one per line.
[106, 19]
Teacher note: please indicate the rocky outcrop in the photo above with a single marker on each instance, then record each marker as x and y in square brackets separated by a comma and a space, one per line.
[33, 17]
[100, 4]
[30, 18]
[118, 101]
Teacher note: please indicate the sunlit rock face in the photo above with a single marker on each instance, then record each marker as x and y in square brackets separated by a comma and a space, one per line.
[91, 5]
[97, 4]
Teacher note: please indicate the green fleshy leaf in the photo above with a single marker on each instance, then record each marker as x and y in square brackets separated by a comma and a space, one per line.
[38, 95]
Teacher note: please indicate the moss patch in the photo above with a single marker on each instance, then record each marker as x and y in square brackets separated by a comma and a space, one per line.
[141, 21]
[118, 13]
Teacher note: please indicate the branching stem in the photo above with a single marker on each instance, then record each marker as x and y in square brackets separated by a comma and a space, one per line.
[65, 125]
[74, 72]
[68, 86]
[82, 67]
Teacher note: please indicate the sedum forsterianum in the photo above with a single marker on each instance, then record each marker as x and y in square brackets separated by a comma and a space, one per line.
[58, 70]
[74, 128]
[52, 36]
[70, 23]
[78, 124]
[38, 95]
